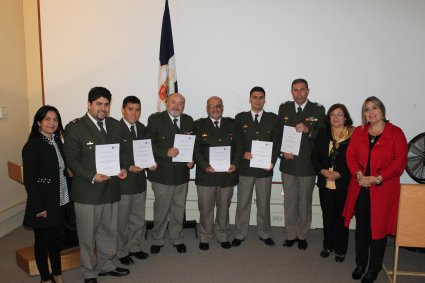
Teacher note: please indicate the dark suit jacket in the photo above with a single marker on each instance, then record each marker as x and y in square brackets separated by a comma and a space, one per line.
[301, 164]
[41, 180]
[268, 130]
[207, 136]
[135, 183]
[161, 131]
[320, 160]
[81, 138]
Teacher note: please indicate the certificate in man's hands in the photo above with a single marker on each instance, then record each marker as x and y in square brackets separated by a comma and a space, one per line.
[108, 159]
[185, 145]
[143, 154]
[220, 158]
[291, 140]
[261, 154]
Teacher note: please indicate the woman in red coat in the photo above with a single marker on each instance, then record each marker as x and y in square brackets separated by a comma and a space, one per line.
[376, 157]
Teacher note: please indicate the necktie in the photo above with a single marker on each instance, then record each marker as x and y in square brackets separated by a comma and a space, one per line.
[216, 124]
[216, 128]
[299, 110]
[133, 132]
[175, 125]
[102, 129]
[256, 123]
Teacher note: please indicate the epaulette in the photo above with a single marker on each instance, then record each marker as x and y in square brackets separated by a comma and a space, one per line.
[112, 118]
[75, 120]
[286, 102]
[318, 104]
[228, 118]
[155, 114]
[198, 120]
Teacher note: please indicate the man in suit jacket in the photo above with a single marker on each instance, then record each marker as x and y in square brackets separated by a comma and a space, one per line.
[95, 195]
[215, 188]
[298, 175]
[259, 125]
[170, 179]
[131, 207]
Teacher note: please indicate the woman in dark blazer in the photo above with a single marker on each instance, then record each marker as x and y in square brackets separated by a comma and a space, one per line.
[45, 180]
[328, 158]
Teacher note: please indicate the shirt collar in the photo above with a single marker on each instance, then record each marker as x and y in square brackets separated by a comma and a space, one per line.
[96, 121]
[260, 114]
[128, 123]
[213, 120]
[302, 106]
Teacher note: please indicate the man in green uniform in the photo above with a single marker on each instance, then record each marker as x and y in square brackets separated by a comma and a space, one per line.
[215, 186]
[131, 207]
[298, 175]
[95, 195]
[170, 179]
[256, 125]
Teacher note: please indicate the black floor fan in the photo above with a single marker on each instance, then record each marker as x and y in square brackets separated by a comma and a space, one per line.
[415, 166]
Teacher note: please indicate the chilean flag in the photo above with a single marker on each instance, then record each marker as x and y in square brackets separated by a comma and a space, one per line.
[167, 77]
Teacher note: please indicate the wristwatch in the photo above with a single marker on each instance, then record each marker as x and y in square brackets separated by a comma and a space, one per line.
[378, 180]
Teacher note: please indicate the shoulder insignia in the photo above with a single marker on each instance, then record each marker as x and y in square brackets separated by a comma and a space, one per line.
[75, 120]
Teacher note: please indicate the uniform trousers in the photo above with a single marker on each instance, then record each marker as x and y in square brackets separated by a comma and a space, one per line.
[48, 245]
[297, 201]
[335, 233]
[263, 188]
[169, 208]
[97, 234]
[131, 223]
[366, 248]
[210, 197]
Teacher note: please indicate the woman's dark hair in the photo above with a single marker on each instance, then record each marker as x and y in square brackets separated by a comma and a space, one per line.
[347, 121]
[40, 115]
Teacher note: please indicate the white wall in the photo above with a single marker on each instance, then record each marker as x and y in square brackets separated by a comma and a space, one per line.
[347, 50]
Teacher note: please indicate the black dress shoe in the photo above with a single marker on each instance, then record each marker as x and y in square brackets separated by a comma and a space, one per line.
[268, 241]
[339, 257]
[358, 272]
[225, 245]
[90, 280]
[140, 255]
[289, 243]
[325, 252]
[302, 244]
[181, 248]
[237, 242]
[204, 246]
[118, 272]
[370, 276]
[155, 249]
[127, 260]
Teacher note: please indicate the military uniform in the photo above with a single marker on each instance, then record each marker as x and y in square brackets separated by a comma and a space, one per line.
[170, 179]
[96, 204]
[267, 130]
[215, 189]
[298, 175]
[131, 207]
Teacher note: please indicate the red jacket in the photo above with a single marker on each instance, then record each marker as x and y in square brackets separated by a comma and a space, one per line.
[388, 159]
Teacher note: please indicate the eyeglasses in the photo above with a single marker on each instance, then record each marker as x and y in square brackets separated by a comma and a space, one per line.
[215, 106]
